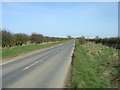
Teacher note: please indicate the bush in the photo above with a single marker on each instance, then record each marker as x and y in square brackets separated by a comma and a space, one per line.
[36, 38]
[81, 41]
[21, 39]
[7, 39]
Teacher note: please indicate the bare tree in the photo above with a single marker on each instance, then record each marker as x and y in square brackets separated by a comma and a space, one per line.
[36, 38]
[21, 38]
[7, 39]
[68, 36]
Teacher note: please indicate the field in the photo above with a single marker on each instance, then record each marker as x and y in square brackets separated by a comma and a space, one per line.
[94, 66]
[10, 52]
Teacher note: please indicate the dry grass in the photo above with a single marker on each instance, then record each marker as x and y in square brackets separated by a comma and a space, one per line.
[94, 66]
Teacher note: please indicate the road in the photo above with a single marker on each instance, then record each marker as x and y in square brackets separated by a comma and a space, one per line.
[45, 69]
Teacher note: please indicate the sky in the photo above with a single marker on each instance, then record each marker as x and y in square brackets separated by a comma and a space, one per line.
[59, 19]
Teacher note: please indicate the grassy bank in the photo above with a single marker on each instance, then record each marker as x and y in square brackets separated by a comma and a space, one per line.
[93, 66]
[10, 52]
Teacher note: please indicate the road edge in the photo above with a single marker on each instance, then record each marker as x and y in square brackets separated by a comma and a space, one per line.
[67, 81]
[27, 54]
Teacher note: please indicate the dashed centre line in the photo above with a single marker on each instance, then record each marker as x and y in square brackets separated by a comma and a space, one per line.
[30, 65]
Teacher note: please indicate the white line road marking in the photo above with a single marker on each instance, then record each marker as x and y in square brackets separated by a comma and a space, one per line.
[11, 61]
[26, 67]
[26, 56]
[30, 65]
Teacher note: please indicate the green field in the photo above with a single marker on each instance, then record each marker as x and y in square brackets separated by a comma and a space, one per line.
[93, 65]
[10, 52]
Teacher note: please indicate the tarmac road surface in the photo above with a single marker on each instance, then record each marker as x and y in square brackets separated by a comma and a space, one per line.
[44, 69]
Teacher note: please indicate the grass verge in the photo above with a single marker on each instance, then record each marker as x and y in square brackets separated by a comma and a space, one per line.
[93, 66]
[10, 52]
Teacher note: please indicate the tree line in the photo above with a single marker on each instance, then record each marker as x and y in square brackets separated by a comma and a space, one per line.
[111, 42]
[9, 39]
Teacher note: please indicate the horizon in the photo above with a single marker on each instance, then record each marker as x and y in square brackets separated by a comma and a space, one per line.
[59, 19]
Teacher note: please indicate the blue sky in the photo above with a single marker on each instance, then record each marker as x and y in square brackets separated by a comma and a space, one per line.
[62, 18]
